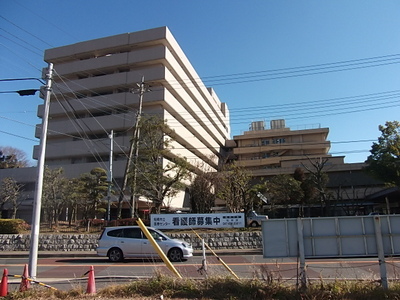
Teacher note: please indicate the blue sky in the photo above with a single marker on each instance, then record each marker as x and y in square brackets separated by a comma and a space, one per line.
[337, 62]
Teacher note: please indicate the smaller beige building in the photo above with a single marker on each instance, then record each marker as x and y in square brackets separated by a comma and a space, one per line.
[277, 149]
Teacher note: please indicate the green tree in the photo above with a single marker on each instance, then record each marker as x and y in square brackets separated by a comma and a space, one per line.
[10, 192]
[91, 190]
[310, 193]
[256, 193]
[384, 161]
[284, 190]
[234, 188]
[158, 174]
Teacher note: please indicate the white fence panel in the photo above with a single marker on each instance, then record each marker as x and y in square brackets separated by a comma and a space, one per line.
[331, 237]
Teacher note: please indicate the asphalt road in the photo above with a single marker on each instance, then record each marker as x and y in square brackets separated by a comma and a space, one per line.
[68, 272]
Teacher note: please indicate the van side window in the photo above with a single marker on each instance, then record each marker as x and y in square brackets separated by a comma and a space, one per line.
[115, 233]
[133, 233]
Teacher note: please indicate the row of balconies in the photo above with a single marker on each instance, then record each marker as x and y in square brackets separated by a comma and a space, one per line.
[114, 80]
[265, 162]
[323, 146]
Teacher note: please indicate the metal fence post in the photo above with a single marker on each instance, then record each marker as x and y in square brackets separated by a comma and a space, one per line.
[303, 276]
[381, 253]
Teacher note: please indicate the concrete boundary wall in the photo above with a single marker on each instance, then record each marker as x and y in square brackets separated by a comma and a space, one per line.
[87, 242]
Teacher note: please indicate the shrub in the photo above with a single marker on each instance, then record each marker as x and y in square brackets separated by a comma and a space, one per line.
[12, 226]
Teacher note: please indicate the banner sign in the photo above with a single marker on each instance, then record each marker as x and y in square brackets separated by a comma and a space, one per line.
[180, 221]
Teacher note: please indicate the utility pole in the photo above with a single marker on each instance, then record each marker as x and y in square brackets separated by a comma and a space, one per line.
[37, 204]
[133, 151]
[110, 175]
[142, 89]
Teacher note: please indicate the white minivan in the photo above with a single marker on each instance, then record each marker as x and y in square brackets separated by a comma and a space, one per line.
[122, 242]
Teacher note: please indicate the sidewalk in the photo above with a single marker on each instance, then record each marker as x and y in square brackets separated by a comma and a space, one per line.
[49, 254]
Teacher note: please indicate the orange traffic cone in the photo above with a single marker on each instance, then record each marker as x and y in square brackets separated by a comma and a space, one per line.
[4, 284]
[91, 286]
[25, 284]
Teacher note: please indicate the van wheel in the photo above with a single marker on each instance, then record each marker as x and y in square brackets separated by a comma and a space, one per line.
[115, 254]
[254, 224]
[175, 254]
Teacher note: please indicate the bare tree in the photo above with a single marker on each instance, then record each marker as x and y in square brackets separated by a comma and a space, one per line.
[10, 192]
[320, 179]
[202, 190]
[56, 195]
[12, 158]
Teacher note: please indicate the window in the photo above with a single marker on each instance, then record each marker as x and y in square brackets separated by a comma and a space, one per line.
[80, 95]
[265, 155]
[155, 235]
[101, 113]
[133, 233]
[278, 140]
[104, 93]
[115, 233]
[264, 142]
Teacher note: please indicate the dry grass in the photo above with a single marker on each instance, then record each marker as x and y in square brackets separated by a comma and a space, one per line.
[222, 288]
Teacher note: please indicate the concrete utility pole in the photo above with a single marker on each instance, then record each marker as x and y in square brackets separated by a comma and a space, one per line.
[133, 150]
[136, 136]
[110, 175]
[37, 204]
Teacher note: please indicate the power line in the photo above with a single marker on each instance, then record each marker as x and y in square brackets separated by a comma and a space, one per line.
[83, 138]
[310, 70]
[366, 62]
[21, 57]
[24, 41]
[346, 107]
[26, 31]
[394, 56]
[18, 112]
[46, 20]
[216, 79]
[373, 98]
[330, 100]
[254, 76]
[19, 136]
[22, 79]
